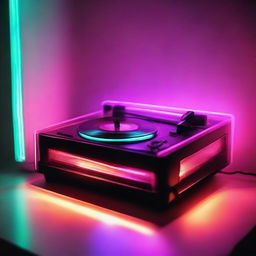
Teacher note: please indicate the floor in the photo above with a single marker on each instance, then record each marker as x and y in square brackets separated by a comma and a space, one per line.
[208, 220]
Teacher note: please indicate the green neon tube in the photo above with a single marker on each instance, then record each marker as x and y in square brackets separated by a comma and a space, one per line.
[17, 87]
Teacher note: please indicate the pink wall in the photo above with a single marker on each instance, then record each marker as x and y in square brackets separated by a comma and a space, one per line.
[45, 66]
[78, 53]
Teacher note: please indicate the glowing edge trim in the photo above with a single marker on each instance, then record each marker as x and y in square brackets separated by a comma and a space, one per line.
[16, 77]
[163, 108]
[141, 138]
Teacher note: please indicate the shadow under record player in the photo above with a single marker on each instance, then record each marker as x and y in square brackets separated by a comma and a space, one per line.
[148, 152]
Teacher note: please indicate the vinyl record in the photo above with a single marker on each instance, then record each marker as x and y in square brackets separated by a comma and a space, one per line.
[104, 130]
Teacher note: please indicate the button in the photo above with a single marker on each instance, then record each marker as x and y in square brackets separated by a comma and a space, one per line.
[156, 144]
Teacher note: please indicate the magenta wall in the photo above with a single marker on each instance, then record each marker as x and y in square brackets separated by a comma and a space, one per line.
[202, 56]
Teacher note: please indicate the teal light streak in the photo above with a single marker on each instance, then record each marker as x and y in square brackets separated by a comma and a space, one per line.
[21, 228]
[17, 87]
[140, 138]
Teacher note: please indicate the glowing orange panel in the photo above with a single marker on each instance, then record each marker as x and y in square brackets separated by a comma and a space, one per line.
[193, 162]
[83, 164]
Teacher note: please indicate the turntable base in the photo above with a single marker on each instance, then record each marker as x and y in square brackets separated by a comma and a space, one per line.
[151, 153]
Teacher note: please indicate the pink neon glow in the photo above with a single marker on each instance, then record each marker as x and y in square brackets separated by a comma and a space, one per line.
[92, 211]
[160, 109]
[171, 116]
[191, 163]
[138, 175]
[212, 75]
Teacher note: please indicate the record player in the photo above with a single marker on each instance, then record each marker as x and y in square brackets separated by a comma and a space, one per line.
[147, 151]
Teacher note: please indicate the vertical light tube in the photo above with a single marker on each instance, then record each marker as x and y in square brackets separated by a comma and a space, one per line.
[16, 76]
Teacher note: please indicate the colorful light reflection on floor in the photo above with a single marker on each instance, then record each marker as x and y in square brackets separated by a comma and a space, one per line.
[219, 216]
[92, 211]
[207, 211]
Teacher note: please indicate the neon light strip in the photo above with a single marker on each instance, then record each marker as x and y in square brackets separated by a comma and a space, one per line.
[92, 211]
[16, 70]
[193, 162]
[138, 175]
[140, 138]
[162, 108]
[160, 112]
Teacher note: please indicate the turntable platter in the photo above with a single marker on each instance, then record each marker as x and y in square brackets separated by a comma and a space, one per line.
[104, 130]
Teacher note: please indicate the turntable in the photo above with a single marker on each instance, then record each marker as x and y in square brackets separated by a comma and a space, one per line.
[146, 151]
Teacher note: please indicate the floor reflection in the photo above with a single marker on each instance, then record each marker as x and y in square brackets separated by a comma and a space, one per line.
[213, 216]
[92, 211]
